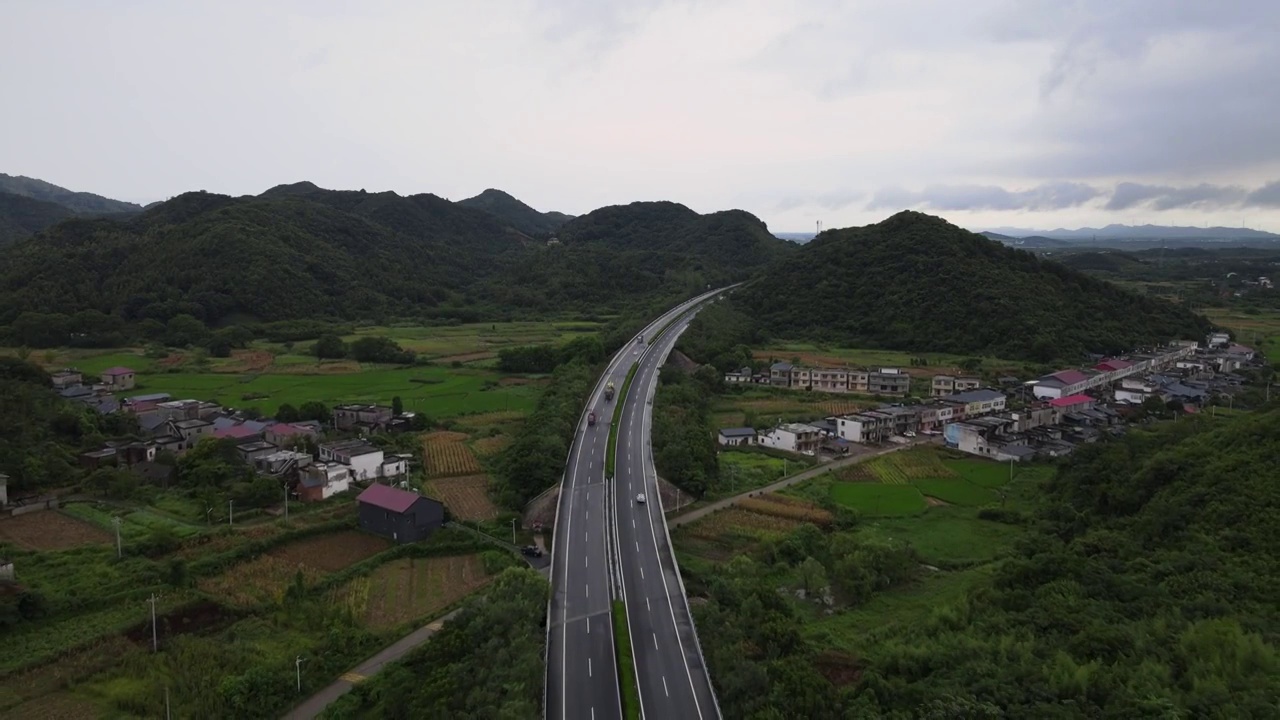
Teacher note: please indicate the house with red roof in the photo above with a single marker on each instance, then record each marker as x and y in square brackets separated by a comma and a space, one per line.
[1070, 404]
[288, 434]
[118, 378]
[1063, 383]
[238, 432]
[400, 515]
[1113, 365]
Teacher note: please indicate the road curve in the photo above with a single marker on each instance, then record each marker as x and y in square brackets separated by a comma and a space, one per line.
[670, 670]
[581, 675]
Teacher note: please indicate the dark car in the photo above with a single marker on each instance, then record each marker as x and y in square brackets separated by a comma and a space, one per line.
[531, 551]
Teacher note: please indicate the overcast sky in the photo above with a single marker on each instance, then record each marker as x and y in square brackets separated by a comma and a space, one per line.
[989, 112]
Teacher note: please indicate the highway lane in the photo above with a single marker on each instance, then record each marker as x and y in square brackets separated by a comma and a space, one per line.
[671, 674]
[581, 678]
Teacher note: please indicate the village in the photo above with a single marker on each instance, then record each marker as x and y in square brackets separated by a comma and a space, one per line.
[312, 460]
[1014, 420]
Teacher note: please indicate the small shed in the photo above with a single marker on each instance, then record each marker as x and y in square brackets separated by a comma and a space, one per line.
[398, 515]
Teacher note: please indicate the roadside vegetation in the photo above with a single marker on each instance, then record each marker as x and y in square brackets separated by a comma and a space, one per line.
[1066, 591]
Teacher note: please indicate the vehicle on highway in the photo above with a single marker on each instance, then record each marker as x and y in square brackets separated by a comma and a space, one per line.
[591, 418]
[608, 391]
[531, 551]
[640, 498]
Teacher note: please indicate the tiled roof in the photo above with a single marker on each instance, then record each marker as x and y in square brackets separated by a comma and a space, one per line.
[235, 431]
[1070, 377]
[737, 432]
[979, 395]
[388, 498]
[118, 370]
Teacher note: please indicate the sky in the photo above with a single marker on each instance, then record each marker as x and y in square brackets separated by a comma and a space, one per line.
[991, 113]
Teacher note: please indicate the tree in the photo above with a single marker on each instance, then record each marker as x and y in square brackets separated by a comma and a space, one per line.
[184, 330]
[329, 347]
[397, 406]
[813, 577]
[287, 413]
[314, 410]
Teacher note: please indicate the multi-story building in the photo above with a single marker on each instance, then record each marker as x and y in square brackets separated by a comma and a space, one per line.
[832, 380]
[362, 417]
[975, 403]
[780, 374]
[364, 459]
[794, 437]
[946, 385]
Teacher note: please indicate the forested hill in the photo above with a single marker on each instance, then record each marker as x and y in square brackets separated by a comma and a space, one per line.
[515, 213]
[1147, 588]
[21, 216]
[77, 202]
[299, 251]
[917, 282]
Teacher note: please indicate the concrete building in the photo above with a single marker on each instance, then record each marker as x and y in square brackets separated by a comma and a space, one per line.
[947, 385]
[373, 418]
[399, 515]
[975, 403]
[793, 437]
[364, 459]
[736, 437]
[320, 481]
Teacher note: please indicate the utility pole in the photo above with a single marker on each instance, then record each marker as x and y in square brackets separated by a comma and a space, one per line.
[208, 515]
[231, 512]
[297, 666]
[155, 644]
[116, 521]
[513, 531]
[167, 715]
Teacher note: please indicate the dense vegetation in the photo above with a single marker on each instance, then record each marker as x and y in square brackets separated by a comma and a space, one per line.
[22, 217]
[1197, 276]
[77, 202]
[298, 252]
[916, 282]
[516, 214]
[484, 663]
[684, 444]
[1145, 588]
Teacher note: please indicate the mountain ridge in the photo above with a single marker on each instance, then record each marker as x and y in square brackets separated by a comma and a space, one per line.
[78, 202]
[519, 215]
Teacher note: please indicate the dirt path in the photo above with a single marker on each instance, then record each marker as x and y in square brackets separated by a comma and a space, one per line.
[702, 512]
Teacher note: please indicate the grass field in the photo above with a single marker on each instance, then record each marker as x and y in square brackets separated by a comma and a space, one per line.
[879, 499]
[742, 471]
[136, 523]
[1261, 331]
[478, 341]
[764, 405]
[411, 588]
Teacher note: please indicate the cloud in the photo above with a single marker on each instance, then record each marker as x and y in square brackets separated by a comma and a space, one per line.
[1048, 196]
[1267, 196]
[1163, 197]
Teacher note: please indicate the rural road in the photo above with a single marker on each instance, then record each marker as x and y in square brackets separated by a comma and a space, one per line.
[581, 668]
[785, 482]
[317, 703]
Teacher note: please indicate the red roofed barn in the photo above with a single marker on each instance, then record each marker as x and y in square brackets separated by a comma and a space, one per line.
[399, 515]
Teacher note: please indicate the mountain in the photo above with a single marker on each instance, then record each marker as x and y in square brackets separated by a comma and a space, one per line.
[1143, 232]
[299, 251]
[21, 216]
[515, 213]
[796, 237]
[78, 202]
[917, 282]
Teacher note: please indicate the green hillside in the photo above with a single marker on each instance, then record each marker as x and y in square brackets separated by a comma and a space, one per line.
[21, 216]
[299, 251]
[516, 214]
[917, 282]
[78, 202]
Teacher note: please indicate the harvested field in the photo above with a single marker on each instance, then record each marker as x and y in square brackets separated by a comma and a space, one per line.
[485, 447]
[331, 552]
[741, 520]
[467, 497]
[901, 468]
[257, 581]
[857, 473]
[411, 588]
[788, 508]
[327, 367]
[45, 679]
[467, 357]
[445, 455]
[479, 420]
[508, 381]
[248, 361]
[60, 706]
[173, 359]
[841, 407]
[50, 530]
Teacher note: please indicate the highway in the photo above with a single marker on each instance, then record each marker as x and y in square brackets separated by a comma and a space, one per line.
[670, 671]
[581, 677]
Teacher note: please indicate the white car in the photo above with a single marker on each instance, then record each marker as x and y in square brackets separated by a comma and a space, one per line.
[640, 498]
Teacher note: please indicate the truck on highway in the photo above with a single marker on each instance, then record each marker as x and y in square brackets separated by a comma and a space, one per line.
[608, 391]
[591, 418]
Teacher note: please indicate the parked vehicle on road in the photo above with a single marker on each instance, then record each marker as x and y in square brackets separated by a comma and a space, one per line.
[531, 551]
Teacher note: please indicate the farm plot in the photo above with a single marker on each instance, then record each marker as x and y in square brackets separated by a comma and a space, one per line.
[49, 530]
[446, 455]
[467, 497]
[330, 553]
[980, 472]
[955, 491]
[879, 499]
[900, 468]
[411, 588]
[258, 581]
[490, 446]
[480, 420]
[861, 472]
[789, 508]
[743, 522]
[841, 407]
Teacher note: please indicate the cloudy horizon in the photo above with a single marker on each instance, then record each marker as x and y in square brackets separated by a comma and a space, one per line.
[994, 113]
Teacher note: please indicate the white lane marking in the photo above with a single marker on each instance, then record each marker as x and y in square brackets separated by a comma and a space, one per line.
[588, 589]
[588, 626]
[586, 560]
[633, 522]
[593, 712]
[642, 573]
[637, 546]
[585, 536]
[591, 464]
[664, 686]
[587, 515]
[589, 673]
[646, 605]
[655, 641]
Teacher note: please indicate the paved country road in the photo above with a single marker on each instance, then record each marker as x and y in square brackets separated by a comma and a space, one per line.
[317, 703]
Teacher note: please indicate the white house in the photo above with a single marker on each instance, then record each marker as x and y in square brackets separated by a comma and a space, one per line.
[364, 459]
[394, 466]
[737, 437]
[321, 481]
[863, 427]
[794, 437]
